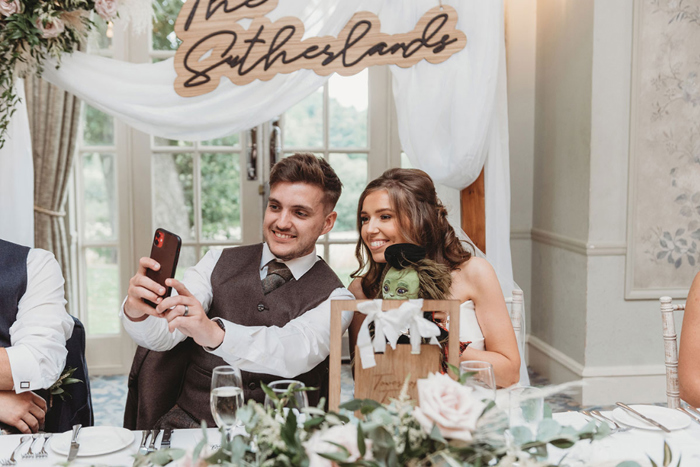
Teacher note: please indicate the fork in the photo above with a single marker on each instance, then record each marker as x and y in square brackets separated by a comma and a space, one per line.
[43, 452]
[144, 438]
[154, 436]
[596, 415]
[11, 460]
[29, 454]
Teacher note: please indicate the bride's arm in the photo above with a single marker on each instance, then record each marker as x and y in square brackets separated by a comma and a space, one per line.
[689, 377]
[476, 280]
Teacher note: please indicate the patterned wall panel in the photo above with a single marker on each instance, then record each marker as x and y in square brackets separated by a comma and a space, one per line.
[664, 205]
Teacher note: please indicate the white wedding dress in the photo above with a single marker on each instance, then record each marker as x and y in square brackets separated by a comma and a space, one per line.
[470, 331]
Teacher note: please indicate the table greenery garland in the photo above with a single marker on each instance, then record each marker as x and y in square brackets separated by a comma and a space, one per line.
[32, 31]
[448, 427]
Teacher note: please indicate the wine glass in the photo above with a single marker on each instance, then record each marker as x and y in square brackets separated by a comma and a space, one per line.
[226, 397]
[525, 407]
[288, 396]
[481, 378]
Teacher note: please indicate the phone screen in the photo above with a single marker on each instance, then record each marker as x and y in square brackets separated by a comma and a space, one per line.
[166, 251]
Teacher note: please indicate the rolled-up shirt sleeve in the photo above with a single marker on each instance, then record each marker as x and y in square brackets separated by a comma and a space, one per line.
[289, 350]
[37, 354]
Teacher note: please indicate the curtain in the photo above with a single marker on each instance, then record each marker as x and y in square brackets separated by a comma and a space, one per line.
[53, 119]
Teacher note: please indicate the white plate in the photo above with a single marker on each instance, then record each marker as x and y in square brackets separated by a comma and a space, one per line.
[671, 419]
[94, 440]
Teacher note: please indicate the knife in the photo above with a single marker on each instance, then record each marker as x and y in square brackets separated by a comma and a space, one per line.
[643, 417]
[165, 441]
[689, 413]
[74, 445]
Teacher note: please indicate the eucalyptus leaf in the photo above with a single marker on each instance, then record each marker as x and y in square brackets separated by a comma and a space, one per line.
[548, 429]
[521, 435]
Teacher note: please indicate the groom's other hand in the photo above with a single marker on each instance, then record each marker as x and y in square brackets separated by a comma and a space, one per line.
[140, 287]
[25, 411]
[184, 312]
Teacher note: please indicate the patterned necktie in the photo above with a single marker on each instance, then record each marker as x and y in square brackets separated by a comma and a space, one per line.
[278, 274]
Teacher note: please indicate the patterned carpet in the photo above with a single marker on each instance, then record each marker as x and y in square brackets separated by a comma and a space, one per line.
[109, 396]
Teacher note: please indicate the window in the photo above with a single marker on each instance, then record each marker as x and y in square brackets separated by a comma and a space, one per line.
[333, 123]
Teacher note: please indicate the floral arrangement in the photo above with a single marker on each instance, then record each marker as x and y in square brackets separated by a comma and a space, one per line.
[33, 30]
[449, 427]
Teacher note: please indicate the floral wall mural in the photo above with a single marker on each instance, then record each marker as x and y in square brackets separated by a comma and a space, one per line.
[664, 248]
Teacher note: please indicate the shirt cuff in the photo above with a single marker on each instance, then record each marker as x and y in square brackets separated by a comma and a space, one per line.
[25, 371]
[230, 343]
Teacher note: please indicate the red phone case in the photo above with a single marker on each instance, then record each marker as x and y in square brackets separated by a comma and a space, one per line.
[166, 251]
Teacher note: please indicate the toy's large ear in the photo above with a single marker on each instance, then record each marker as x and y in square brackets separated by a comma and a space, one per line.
[403, 255]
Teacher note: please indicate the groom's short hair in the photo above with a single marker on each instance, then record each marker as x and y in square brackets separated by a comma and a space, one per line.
[304, 167]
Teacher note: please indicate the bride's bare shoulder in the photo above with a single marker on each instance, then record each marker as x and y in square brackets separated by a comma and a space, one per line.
[355, 288]
[477, 272]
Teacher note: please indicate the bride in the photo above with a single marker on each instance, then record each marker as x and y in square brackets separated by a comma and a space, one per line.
[402, 206]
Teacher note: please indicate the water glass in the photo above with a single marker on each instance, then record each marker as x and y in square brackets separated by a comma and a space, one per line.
[481, 378]
[526, 407]
[288, 395]
[226, 397]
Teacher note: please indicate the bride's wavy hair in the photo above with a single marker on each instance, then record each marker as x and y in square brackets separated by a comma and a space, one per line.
[421, 218]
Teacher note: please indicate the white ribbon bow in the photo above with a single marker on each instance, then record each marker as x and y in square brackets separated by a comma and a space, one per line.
[388, 326]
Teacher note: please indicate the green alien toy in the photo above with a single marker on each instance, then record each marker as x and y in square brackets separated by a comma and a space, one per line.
[411, 275]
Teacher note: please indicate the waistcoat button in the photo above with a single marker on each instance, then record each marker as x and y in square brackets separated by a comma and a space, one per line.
[261, 307]
[252, 386]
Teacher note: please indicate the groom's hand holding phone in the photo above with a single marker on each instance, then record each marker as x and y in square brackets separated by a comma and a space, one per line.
[148, 288]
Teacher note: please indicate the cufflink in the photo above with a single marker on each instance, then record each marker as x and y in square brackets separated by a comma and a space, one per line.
[24, 385]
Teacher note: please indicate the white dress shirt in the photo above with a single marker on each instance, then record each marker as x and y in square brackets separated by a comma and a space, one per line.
[38, 337]
[287, 351]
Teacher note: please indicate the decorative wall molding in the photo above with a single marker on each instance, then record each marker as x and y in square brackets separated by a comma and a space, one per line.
[556, 355]
[520, 234]
[576, 246]
[593, 371]
[600, 385]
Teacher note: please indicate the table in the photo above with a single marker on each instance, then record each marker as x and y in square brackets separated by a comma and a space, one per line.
[631, 445]
[186, 439]
[634, 445]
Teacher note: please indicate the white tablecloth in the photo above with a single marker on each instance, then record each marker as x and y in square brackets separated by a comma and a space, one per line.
[631, 445]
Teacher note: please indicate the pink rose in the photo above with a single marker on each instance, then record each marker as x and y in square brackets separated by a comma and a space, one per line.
[52, 27]
[107, 9]
[344, 435]
[10, 7]
[445, 403]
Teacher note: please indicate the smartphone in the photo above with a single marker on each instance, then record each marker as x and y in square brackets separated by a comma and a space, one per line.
[166, 251]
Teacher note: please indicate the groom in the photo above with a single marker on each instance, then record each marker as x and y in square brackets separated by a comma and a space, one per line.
[263, 308]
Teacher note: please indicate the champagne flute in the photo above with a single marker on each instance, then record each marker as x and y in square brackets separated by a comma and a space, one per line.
[481, 378]
[226, 397]
[288, 395]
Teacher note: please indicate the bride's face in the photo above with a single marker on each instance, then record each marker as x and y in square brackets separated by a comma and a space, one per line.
[380, 224]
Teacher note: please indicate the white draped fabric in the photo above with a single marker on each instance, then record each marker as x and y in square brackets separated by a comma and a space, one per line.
[452, 117]
[17, 178]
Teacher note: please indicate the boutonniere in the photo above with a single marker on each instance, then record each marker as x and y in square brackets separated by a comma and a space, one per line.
[57, 388]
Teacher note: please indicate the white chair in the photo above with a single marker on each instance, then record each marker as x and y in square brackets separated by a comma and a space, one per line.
[517, 304]
[673, 396]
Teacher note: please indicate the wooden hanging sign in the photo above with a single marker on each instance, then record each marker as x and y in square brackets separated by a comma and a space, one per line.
[215, 44]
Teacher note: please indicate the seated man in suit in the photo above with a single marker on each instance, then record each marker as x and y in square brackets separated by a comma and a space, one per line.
[263, 308]
[34, 328]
